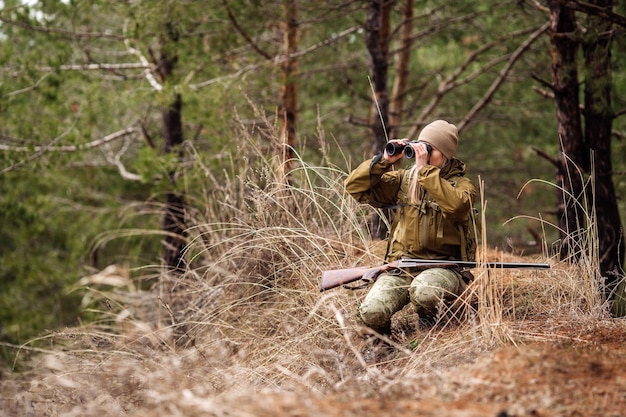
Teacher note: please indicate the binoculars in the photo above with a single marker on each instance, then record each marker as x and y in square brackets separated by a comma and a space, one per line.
[394, 148]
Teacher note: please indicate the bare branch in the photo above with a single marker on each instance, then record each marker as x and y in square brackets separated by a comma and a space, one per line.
[619, 113]
[72, 148]
[111, 159]
[117, 161]
[277, 60]
[452, 81]
[544, 93]
[147, 67]
[147, 72]
[543, 82]
[537, 5]
[225, 77]
[61, 32]
[438, 25]
[244, 34]
[27, 89]
[323, 43]
[500, 79]
[102, 66]
[79, 67]
[37, 153]
[553, 161]
[594, 10]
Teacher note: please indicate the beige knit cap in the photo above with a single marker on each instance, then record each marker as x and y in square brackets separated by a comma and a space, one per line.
[442, 135]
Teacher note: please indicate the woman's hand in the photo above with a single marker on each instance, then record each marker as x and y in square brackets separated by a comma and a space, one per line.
[422, 155]
[392, 159]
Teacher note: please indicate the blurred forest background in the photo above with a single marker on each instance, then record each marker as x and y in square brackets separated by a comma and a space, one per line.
[125, 123]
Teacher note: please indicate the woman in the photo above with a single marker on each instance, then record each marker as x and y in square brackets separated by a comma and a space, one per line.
[432, 203]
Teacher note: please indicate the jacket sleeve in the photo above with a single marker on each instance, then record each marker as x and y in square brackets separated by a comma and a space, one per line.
[455, 201]
[374, 183]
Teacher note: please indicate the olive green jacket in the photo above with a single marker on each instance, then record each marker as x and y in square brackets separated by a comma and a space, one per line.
[431, 229]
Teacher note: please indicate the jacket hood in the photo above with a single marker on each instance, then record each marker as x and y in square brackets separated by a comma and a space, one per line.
[455, 167]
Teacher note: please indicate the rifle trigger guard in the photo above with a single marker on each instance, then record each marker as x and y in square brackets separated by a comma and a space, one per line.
[356, 287]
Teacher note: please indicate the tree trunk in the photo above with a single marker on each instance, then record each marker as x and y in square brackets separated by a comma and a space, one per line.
[289, 66]
[564, 47]
[174, 216]
[172, 131]
[598, 125]
[377, 43]
[588, 154]
[396, 103]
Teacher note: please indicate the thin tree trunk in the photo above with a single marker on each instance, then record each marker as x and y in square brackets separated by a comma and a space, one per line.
[289, 108]
[396, 103]
[377, 43]
[598, 125]
[174, 216]
[571, 205]
[172, 131]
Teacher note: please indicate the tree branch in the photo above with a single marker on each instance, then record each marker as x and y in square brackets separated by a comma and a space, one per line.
[277, 60]
[103, 66]
[245, 69]
[553, 161]
[72, 148]
[500, 79]
[244, 34]
[61, 32]
[27, 89]
[452, 81]
[117, 161]
[592, 9]
[323, 43]
[148, 68]
[37, 153]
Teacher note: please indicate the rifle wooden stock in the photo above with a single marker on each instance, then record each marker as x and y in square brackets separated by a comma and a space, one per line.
[336, 277]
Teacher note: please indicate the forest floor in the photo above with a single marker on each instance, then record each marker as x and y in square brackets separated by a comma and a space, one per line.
[579, 371]
[546, 351]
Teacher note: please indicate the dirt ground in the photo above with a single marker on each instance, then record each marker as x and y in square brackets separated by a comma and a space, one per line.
[579, 370]
[583, 373]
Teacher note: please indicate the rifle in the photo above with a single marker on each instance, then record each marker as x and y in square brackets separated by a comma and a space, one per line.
[336, 277]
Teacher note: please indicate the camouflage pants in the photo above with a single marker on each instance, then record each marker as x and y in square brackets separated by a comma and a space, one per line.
[395, 289]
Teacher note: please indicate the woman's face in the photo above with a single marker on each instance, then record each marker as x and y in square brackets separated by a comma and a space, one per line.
[436, 158]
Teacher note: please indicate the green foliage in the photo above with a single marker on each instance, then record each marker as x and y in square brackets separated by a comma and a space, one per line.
[51, 223]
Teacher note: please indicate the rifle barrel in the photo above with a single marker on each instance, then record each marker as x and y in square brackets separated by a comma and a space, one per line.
[407, 263]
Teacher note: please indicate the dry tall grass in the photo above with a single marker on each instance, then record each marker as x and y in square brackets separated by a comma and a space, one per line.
[246, 319]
